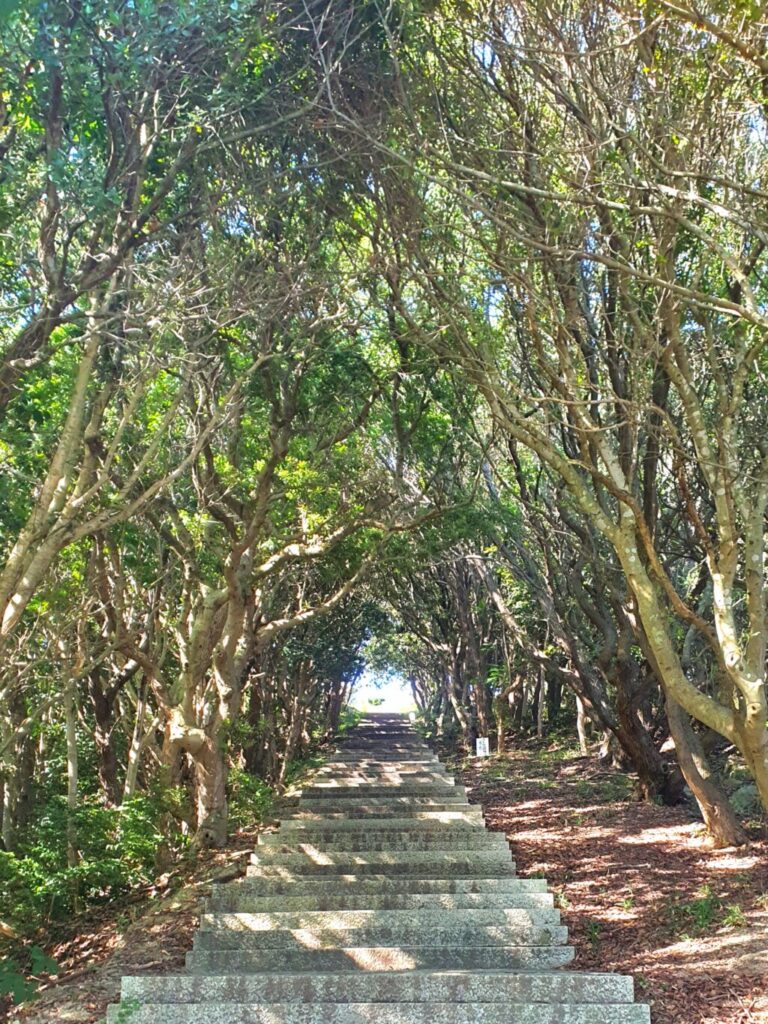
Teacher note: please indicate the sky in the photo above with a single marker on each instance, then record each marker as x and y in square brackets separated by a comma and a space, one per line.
[395, 692]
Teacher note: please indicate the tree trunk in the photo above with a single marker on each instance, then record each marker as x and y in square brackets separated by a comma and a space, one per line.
[482, 703]
[502, 709]
[582, 721]
[293, 732]
[334, 710]
[719, 817]
[10, 802]
[522, 707]
[754, 747]
[103, 736]
[26, 792]
[541, 698]
[70, 711]
[554, 700]
[211, 795]
[140, 740]
[209, 772]
[655, 778]
[17, 792]
[461, 718]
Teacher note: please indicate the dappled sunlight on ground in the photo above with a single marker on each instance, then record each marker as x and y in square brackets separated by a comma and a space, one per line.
[637, 885]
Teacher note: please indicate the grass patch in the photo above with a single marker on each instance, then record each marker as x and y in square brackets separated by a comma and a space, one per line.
[705, 913]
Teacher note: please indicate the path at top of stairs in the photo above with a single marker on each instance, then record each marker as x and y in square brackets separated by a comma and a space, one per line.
[383, 899]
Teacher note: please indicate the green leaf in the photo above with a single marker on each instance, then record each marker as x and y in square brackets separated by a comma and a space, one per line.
[41, 962]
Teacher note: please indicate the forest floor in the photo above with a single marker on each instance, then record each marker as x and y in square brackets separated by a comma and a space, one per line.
[639, 890]
[637, 886]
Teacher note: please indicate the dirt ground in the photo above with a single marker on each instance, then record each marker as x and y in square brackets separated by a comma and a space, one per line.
[639, 890]
[637, 886]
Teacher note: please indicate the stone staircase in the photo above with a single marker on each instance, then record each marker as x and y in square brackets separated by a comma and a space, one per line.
[382, 898]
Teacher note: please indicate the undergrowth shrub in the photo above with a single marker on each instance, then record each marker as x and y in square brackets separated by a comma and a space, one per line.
[116, 846]
[250, 798]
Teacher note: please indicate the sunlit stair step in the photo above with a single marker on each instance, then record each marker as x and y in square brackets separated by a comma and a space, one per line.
[383, 730]
[349, 842]
[308, 821]
[379, 776]
[223, 931]
[427, 762]
[419, 864]
[385, 987]
[383, 776]
[387, 751]
[382, 828]
[364, 791]
[424, 919]
[382, 958]
[382, 758]
[331, 803]
[225, 900]
[374, 884]
[393, 770]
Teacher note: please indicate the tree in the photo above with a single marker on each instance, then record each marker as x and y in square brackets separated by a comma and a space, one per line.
[593, 264]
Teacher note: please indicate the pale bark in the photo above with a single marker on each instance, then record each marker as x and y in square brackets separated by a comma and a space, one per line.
[582, 723]
[141, 737]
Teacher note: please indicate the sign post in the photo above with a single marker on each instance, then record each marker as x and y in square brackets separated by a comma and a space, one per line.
[482, 746]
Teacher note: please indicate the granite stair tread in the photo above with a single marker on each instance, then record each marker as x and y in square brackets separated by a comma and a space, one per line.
[381, 898]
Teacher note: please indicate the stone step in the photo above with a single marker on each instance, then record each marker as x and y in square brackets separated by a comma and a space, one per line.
[384, 737]
[383, 958]
[310, 821]
[385, 731]
[383, 885]
[389, 754]
[386, 767]
[335, 829]
[373, 730]
[383, 841]
[397, 829]
[357, 779]
[385, 751]
[382, 899]
[372, 987]
[376, 775]
[435, 918]
[361, 794]
[448, 801]
[225, 899]
[382, 757]
[364, 791]
[270, 863]
[417, 764]
[225, 931]
[459, 816]
[384, 1013]
[375, 743]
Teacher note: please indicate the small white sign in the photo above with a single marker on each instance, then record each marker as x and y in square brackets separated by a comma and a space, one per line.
[482, 746]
